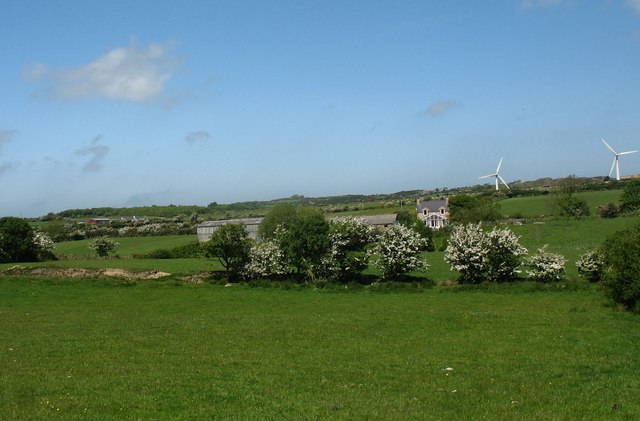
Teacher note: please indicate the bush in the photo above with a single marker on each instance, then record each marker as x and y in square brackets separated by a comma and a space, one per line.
[478, 255]
[505, 251]
[349, 238]
[546, 266]
[17, 241]
[103, 246]
[622, 267]
[631, 196]
[467, 252]
[230, 244]
[610, 210]
[398, 252]
[590, 266]
[266, 258]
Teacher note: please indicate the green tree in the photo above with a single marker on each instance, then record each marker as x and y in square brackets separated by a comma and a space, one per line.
[306, 240]
[103, 245]
[631, 196]
[282, 215]
[466, 209]
[17, 241]
[565, 202]
[622, 267]
[231, 245]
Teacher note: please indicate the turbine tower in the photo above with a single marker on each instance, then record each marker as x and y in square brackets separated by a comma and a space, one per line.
[497, 177]
[616, 160]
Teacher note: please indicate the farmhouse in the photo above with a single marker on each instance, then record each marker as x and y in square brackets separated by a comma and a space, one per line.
[206, 229]
[433, 213]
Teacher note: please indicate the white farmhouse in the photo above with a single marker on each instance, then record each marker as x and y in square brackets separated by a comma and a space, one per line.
[433, 213]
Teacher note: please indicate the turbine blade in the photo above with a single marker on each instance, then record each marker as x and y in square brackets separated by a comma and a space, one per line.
[504, 182]
[487, 176]
[608, 147]
[613, 165]
[627, 153]
[499, 165]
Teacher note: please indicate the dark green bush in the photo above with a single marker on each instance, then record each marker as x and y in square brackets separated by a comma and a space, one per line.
[620, 254]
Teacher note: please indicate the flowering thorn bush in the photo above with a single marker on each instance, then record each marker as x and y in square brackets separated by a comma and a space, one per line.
[546, 266]
[590, 266]
[398, 252]
[103, 245]
[349, 238]
[505, 251]
[467, 252]
[266, 258]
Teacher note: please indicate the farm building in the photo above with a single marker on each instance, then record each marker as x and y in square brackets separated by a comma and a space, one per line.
[434, 213]
[97, 221]
[206, 229]
[381, 222]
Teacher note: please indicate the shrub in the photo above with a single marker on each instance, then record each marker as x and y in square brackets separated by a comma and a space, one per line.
[546, 266]
[503, 259]
[610, 210]
[349, 238]
[17, 241]
[398, 252]
[590, 266]
[467, 252]
[622, 267]
[103, 245]
[230, 244]
[44, 245]
[266, 259]
[631, 196]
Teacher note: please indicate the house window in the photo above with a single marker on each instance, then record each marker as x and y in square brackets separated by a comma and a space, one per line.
[442, 211]
[424, 212]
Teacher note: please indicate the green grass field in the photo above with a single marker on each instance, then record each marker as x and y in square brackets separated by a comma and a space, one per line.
[107, 350]
[128, 245]
[539, 206]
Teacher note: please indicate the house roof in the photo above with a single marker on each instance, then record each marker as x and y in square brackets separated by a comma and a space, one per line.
[431, 205]
[388, 219]
[243, 221]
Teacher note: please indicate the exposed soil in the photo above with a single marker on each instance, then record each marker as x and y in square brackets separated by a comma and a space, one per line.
[83, 273]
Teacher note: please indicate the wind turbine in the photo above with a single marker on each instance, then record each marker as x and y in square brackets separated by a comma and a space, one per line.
[497, 177]
[616, 161]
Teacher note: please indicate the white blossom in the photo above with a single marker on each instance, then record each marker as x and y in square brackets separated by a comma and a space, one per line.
[590, 265]
[546, 266]
[467, 252]
[398, 252]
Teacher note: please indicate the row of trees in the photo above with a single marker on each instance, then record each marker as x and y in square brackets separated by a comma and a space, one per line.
[299, 241]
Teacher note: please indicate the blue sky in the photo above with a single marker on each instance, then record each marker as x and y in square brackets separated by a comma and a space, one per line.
[125, 103]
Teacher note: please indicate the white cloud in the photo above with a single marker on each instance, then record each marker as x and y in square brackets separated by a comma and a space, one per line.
[194, 137]
[6, 136]
[96, 153]
[634, 4]
[441, 108]
[130, 74]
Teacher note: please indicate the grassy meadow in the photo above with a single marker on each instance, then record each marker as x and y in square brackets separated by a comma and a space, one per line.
[101, 350]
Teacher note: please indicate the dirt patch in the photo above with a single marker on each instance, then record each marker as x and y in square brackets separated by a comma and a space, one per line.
[83, 273]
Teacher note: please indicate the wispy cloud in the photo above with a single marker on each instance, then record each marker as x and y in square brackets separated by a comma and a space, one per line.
[198, 136]
[634, 4]
[529, 4]
[96, 153]
[6, 167]
[440, 108]
[127, 73]
[6, 136]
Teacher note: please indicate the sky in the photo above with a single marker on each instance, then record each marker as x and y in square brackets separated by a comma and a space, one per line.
[128, 103]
